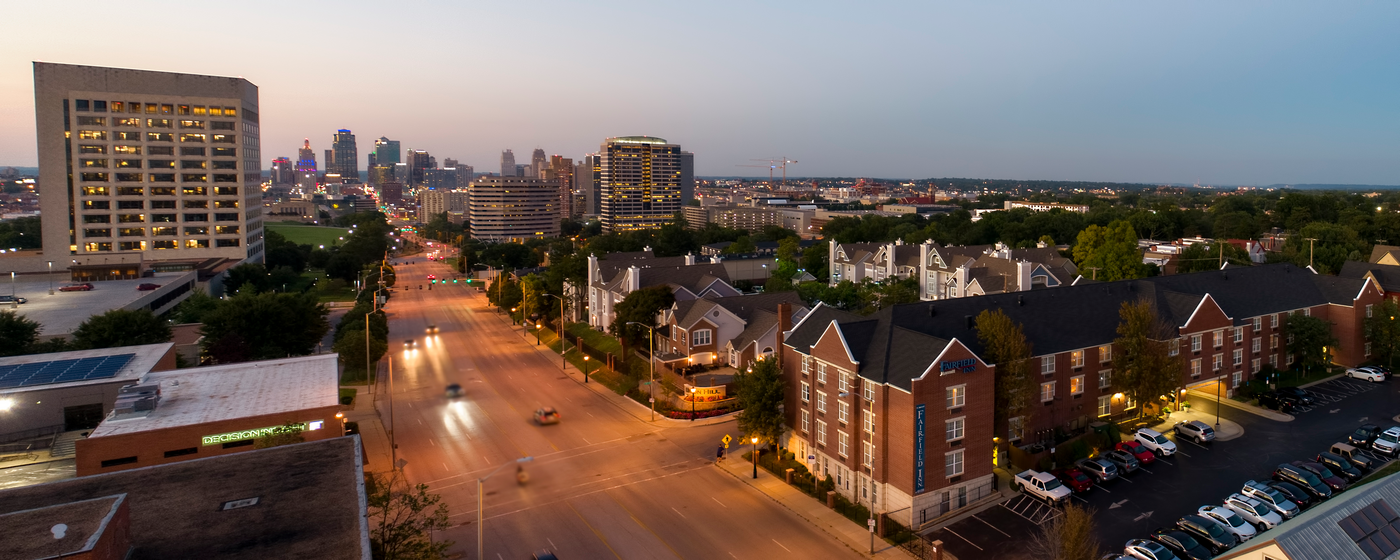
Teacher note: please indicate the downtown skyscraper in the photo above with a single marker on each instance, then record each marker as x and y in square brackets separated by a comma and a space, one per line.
[346, 160]
[507, 164]
[306, 166]
[640, 183]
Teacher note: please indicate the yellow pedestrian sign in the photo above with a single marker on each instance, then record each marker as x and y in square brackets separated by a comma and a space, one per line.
[726, 440]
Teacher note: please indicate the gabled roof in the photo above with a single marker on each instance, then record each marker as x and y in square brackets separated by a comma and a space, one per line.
[856, 252]
[1387, 275]
[759, 325]
[695, 277]
[1381, 251]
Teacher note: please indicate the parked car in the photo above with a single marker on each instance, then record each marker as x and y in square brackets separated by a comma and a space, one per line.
[1354, 455]
[1140, 451]
[1365, 374]
[1383, 369]
[1297, 393]
[1042, 485]
[1229, 521]
[84, 287]
[1364, 435]
[147, 287]
[1181, 543]
[1277, 402]
[1295, 494]
[1143, 549]
[1155, 441]
[1304, 479]
[1126, 462]
[1256, 512]
[12, 299]
[1100, 469]
[1075, 479]
[1278, 501]
[1207, 532]
[546, 415]
[1329, 478]
[454, 390]
[1387, 442]
[1339, 465]
[1195, 429]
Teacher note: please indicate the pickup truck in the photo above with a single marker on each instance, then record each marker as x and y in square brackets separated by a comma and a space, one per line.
[1042, 485]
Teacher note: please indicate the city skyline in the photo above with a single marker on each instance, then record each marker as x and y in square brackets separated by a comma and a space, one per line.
[1195, 92]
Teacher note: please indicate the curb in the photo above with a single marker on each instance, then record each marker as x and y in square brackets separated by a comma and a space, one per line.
[1266, 413]
[1323, 380]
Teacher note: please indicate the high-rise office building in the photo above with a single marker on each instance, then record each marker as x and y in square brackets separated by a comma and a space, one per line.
[380, 174]
[588, 180]
[347, 156]
[641, 182]
[507, 164]
[419, 161]
[108, 142]
[687, 177]
[435, 202]
[386, 151]
[539, 162]
[330, 162]
[283, 172]
[307, 173]
[373, 161]
[464, 171]
[561, 173]
[513, 208]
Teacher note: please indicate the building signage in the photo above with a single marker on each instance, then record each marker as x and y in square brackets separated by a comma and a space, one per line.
[965, 365]
[919, 448]
[257, 433]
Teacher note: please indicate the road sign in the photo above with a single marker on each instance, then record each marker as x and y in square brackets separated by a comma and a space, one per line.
[726, 439]
[871, 523]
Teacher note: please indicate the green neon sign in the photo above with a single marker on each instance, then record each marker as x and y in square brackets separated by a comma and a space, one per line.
[256, 433]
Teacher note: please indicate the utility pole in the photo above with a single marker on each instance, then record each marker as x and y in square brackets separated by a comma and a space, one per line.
[1096, 272]
[1222, 256]
[1311, 240]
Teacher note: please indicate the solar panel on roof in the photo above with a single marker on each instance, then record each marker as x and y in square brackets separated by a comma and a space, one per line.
[1374, 529]
[62, 371]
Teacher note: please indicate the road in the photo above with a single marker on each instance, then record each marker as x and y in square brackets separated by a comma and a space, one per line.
[604, 483]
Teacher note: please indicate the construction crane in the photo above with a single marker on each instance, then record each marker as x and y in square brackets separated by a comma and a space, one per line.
[780, 163]
[770, 170]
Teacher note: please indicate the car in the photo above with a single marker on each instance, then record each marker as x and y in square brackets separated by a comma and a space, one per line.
[544, 555]
[1182, 543]
[432, 329]
[1304, 479]
[84, 287]
[1101, 470]
[1295, 494]
[12, 299]
[454, 390]
[1339, 465]
[1155, 441]
[1272, 497]
[1297, 393]
[147, 287]
[1195, 429]
[1364, 435]
[1143, 549]
[1365, 374]
[1385, 370]
[1207, 532]
[1256, 512]
[1357, 458]
[1140, 451]
[1277, 402]
[546, 415]
[1387, 442]
[1042, 485]
[410, 344]
[1229, 521]
[1127, 464]
[1075, 479]
[1332, 480]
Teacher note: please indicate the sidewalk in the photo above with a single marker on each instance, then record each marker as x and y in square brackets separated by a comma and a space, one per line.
[1260, 411]
[373, 437]
[1226, 430]
[810, 509]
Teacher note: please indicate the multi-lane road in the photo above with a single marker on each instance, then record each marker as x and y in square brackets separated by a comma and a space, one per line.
[603, 483]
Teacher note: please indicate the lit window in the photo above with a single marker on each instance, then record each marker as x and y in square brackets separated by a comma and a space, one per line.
[1105, 354]
[1076, 385]
[821, 402]
[1273, 342]
[1219, 338]
[1217, 361]
[821, 372]
[956, 396]
[869, 422]
[845, 384]
[1254, 365]
[1195, 343]
[806, 362]
[1076, 359]
[1047, 391]
[1196, 367]
[1238, 357]
[869, 390]
[843, 411]
[1105, 378]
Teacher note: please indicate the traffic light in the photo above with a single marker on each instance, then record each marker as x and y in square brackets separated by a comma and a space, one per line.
[454, 280]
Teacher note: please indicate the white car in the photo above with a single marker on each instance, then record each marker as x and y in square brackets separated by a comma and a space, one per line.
[1228, 521]
[1388, 442]
[1271, 497]
[1143, 549]
[1155, 441]
[1366, 374]
[1254, 511]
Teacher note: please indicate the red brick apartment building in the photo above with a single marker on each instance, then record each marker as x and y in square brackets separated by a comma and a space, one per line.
[897, 407]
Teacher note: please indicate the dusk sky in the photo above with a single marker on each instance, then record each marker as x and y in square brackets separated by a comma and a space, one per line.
[1220, 93]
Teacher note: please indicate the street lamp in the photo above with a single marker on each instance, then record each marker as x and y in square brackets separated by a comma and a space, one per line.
[480, 533]
[651, 362]
[585, 369]
[14, 301]
[755, 455]
[537, 333]
[692, 403]
[50, 277]
[563, 350]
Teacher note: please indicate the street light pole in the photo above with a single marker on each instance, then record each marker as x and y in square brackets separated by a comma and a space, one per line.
[563, 348]
[585, 369]
[538, 327]
[481, 533]
[651, 361]
[692, 403]
[393, 447]
[369, 377]
[1217, 403]
[754, 439]
[50, 277]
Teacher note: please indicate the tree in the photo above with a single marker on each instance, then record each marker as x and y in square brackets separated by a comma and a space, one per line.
[531, 294]
[1308, 339]
[1201, 257]
[264, 326]
[761, 397]
[403, 519]
[351, 348]
[1004, 344]
[640, 306]
[1142, 364]
[1383, 330]
[17, 333]
[289, 432]
[1112, 249]
[252, 275]
[120, 327]
[742, 246]
[1070, 536]
[192, 310]
[343, 266]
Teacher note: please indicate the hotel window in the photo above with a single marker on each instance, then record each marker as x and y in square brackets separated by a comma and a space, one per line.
[1195, 343]
[162, 218]
[1105, 405]
[1105, 378]
[99, 106]
[821, 432]
[131, 246]
[193, 138]
[95, 177]
[97, 205]
[192, 151]
[1254, 365]
[1290, 359]
[163, 231]
[1256, 344]
[1076, 359]
[198, 110]
[843, 411]
[1105, 354]
[193, 164]
[91, 163]
[1368, 349]
[806, 420]
[869, 453]
[1238, 357]
[161, 164]
[1273, 360]
[806, 363]
[869, 422]
[1076, 385]
[1258, 324]
[129, 164]
[1239, 334]
[95, 191]
[80, 104]
[196, 243]
[100, 219]
[869, 390]
[1219, 338]
[1368, 311]
[1047, 365]
[97, 232]
[821, 372]
[223, 139]
[953, 429]
[221, 125]
[1174, 347]
[806, 392]
[156, 137]
[191, 124]
[197, 230]
[196, 218]
[224, 152]
[955, 396]
[131, 204]
[92, 149]
[130, 191]
[170, 244]
[1273, 321]
[92, 135]
[1217, 361]
[96, 247]
[196, 204]
[127, 123]
[1196, 367]
[845, 441]
[953, 463]
[845, 384]
[1047, 391]
[1273, 341]
[821, 402]
[158, 123]
[131, 232]
[92, 121]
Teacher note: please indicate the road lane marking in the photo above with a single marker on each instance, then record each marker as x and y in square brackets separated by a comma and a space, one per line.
[595, 531]
[994, 527]
[551, 544]
[717, 501]
[678, 512]
[1075, 497]
[649, 529]
[775, 541]
[444, 467]
[1125, 479]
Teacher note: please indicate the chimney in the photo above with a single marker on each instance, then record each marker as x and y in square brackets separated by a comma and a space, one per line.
[784, 325]
[970, 321]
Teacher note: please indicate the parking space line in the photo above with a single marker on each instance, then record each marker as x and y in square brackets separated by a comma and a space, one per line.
[950, 530]
[1164, 461]
[994, 527]
[1102, 488]
[1144, 470]
[1079, 498]
[1180, 452]
[1125, 480]
[1195, 444]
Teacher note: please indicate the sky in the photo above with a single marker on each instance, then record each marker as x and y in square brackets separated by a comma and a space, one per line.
[1250, 93]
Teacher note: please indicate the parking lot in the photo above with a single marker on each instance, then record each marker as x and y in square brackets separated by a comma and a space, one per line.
[1160, 493]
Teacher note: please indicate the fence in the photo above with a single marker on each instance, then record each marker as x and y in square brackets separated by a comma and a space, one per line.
[950, 502]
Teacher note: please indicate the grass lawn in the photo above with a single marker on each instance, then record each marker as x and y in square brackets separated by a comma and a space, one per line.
[599, 340]
[309, 235]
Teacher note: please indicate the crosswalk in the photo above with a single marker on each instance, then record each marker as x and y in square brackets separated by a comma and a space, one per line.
[1330, 392]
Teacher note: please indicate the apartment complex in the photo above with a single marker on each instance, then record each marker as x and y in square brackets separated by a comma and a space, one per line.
[734, 217]
[513, 208]
[615, 275]
[640, 182]
[434, 203]
[946, 272]
[150, 165]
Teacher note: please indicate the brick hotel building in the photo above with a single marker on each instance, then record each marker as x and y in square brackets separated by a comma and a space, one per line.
[897, 407]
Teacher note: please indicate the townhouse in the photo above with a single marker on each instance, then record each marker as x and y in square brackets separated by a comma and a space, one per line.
[615, 275]
[868, 395]
[946, 272]
[732, 330]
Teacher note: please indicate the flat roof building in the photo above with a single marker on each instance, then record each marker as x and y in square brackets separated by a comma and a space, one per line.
[640, 182]
[513, 208]
[43, 394]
